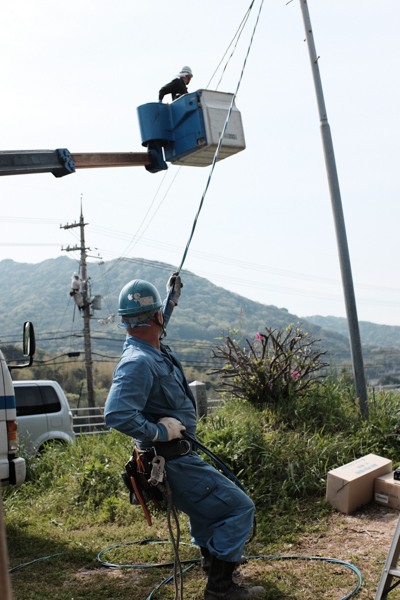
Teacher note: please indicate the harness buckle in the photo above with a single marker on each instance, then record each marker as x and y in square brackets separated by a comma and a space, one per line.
[189, 445]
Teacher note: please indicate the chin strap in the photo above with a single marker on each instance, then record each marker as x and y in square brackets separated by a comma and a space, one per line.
[164, 331]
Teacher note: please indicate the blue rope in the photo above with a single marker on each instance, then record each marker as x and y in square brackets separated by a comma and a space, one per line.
[220, 141]
[216, 154]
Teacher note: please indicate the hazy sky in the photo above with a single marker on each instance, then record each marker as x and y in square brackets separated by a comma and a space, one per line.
[73, 74]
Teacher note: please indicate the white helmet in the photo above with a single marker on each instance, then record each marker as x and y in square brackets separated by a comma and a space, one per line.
[75, 275]
[186, 71]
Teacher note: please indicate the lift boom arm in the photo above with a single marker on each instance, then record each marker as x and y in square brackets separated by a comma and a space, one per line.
[61, 162]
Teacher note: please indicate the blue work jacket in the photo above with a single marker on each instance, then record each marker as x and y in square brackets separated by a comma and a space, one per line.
[148, 384]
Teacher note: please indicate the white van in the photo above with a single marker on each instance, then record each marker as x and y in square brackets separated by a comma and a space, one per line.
[43, 414]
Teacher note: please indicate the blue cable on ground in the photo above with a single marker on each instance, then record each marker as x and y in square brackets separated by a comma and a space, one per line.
[33, 562]
[193, 562]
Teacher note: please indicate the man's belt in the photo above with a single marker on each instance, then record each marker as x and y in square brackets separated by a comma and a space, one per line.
[168, 450]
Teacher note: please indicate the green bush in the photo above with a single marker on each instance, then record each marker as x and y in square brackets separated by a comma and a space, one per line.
[270, 369]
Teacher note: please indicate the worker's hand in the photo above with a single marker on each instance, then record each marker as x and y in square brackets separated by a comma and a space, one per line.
[173, 426]
[174, 282]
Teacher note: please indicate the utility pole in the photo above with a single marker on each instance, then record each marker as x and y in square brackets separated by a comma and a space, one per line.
[5, 585]
[85, 307]
[337, 209]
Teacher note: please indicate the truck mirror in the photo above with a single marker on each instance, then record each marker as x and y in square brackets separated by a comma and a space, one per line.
[29, 345]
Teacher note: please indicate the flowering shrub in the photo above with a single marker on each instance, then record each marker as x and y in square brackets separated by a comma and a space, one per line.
[273, 367]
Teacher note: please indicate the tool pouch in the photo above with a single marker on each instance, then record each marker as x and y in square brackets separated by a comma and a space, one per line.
[137, 473]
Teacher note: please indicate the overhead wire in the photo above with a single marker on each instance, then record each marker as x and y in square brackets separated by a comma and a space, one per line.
[134, 242]
[219, 145]
[239, 29]
[233, 51]
[118, 234]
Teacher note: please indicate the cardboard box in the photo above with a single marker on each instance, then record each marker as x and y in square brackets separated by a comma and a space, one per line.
[351, 486]
[387, 491]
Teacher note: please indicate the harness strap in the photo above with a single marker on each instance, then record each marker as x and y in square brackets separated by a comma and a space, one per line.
[168, 450]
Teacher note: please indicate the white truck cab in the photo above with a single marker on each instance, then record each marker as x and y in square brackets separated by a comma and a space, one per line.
[12, 468]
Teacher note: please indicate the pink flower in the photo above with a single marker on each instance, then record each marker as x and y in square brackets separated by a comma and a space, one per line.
[295, 374]
[259, 337]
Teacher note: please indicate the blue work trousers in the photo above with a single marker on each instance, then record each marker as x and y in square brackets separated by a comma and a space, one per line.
[221, 515]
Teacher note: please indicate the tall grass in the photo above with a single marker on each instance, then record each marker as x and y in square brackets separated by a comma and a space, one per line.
[281, 454]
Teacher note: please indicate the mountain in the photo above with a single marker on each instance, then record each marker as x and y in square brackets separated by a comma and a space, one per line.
[371, 333]
[40, 293]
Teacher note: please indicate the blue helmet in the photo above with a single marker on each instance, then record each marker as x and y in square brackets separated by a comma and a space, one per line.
[137, 297]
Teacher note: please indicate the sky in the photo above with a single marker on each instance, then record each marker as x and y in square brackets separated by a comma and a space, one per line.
[74, 73]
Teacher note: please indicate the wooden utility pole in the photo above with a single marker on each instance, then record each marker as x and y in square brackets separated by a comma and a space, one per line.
[85, 307]
[5, 586]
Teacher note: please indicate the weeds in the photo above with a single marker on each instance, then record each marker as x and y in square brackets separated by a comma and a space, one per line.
[74, 499]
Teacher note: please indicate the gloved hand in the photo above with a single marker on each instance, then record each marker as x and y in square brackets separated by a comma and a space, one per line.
[174, 282]
[173, 426]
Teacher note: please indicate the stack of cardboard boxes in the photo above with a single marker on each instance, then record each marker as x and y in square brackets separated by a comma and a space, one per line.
[368, 478]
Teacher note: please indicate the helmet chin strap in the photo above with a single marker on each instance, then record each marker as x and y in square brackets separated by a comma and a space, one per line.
[157, 322]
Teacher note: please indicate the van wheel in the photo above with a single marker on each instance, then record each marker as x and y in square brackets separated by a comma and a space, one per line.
[51, 444]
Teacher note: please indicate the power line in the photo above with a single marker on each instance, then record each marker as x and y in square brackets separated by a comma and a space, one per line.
[134, 242]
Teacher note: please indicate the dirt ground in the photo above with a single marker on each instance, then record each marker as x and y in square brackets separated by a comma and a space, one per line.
[362, 538]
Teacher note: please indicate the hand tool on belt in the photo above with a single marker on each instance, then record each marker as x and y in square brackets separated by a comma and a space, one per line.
[145, 470]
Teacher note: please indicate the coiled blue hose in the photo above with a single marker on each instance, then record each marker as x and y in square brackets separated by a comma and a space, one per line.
[193, 561]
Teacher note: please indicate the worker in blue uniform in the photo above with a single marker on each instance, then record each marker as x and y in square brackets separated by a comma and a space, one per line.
[177, 87]
[151, 401]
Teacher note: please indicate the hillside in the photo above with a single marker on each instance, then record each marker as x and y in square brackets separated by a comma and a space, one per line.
[40, 293]
[371, 333]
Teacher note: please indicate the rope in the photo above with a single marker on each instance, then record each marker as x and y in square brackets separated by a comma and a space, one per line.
[165, 488]
[178, 270]
[220, 141]
[238, 34]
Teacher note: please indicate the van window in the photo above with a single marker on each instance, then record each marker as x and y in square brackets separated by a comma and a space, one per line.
[35, 400]
[50, 398]
[29, 401]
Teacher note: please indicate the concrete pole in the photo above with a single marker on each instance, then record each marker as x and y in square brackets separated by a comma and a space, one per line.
[86, 318]
[200, 395]
[341, 238]
[5, 586]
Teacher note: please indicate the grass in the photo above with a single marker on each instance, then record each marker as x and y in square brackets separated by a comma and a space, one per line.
[74, 501]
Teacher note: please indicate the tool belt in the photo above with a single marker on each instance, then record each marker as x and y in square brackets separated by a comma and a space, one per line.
[145, 470]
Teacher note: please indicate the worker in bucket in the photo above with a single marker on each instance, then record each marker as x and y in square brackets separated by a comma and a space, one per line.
[177, 87]
[151, 401]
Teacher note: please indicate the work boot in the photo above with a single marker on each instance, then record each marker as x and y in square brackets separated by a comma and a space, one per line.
[206, 559]
[220, 585]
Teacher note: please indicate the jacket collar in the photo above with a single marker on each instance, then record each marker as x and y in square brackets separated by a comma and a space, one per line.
[132, 341]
